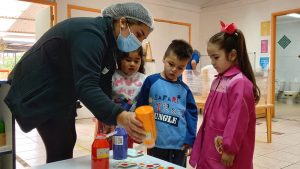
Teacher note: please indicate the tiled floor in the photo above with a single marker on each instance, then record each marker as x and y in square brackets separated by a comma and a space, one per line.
[283, 152]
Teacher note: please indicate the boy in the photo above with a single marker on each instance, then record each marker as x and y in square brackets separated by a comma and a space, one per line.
[174, 106]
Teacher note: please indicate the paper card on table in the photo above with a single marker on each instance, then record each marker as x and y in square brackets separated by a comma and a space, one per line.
[134, 153]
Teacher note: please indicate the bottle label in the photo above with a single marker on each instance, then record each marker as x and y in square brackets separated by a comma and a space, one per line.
[102, 153]
[148, 135]
[118, 140]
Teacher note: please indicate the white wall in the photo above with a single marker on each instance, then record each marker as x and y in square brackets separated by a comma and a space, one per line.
[160, 38]
[169, 10]
[247, 14]
[287, 61]
[42, 22]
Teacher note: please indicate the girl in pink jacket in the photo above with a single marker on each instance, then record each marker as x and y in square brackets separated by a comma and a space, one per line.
[227, 135]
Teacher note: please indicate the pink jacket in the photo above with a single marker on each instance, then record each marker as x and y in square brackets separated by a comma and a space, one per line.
[229, 112]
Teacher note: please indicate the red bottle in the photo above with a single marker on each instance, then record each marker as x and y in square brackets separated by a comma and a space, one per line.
[100, 153]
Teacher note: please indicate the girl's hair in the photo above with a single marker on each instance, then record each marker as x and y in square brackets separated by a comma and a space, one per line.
[124, 55]
[236, 41]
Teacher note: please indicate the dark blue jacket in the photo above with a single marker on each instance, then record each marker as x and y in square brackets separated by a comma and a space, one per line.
[73, 60]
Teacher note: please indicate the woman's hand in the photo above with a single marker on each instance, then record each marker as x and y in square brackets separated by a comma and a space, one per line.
[133, 127]
[187, 148]
[227, 159]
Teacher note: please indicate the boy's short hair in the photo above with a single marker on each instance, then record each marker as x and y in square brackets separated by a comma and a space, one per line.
[180, 48]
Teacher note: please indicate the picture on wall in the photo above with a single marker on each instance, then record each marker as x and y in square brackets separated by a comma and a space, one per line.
[264, 46]
[265, 28]
[264, 62]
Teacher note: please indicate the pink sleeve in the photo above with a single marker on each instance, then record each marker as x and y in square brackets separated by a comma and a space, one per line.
[238, 117]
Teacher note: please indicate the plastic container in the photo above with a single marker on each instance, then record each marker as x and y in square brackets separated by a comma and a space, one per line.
[100, 153]
[120, 144]
[146, 115]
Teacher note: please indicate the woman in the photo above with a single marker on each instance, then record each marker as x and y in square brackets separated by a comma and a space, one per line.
[72, 61]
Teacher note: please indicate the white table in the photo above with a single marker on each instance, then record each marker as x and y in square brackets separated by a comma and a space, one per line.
[85, 163]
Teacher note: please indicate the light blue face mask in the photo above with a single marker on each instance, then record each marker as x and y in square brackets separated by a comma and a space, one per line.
[129, 43]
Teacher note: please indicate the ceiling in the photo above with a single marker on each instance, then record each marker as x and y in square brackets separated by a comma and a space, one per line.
[17, 24]
[205, 3]
[17, 21]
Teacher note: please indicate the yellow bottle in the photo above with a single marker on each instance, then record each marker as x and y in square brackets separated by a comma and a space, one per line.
[146, 115]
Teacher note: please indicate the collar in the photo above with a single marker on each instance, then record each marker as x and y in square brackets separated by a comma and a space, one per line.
[230, 72]
[112, 42]
[121, 73]
[110, 29]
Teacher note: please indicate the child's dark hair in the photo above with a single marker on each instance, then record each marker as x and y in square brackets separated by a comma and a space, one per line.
[124, 55]
[181, 49]
[236, 41]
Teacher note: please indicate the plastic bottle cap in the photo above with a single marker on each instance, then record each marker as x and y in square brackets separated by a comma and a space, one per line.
[144, 109]
[100, 136]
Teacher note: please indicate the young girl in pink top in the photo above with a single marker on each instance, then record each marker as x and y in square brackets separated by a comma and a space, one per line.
[227, 135]
[127, 81]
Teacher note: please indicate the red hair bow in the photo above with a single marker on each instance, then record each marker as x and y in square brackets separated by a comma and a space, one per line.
[230, 29]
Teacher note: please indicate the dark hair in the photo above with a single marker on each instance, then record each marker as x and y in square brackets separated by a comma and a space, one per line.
[236, 41]
[130, 21]
[133, 22]
[124, 55]
[181, 49]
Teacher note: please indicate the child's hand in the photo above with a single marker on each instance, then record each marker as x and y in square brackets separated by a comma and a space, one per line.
[227, 159]
[187, 148]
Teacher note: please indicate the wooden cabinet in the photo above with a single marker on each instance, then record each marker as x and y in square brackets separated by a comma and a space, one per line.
[7, 152]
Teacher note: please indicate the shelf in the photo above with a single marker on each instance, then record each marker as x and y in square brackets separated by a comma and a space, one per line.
[5, 149]
[7, 152]
[3, 81]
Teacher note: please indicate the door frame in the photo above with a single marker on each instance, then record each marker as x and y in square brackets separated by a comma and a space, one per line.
[71, 7]
[273, 51]
[53, 9]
